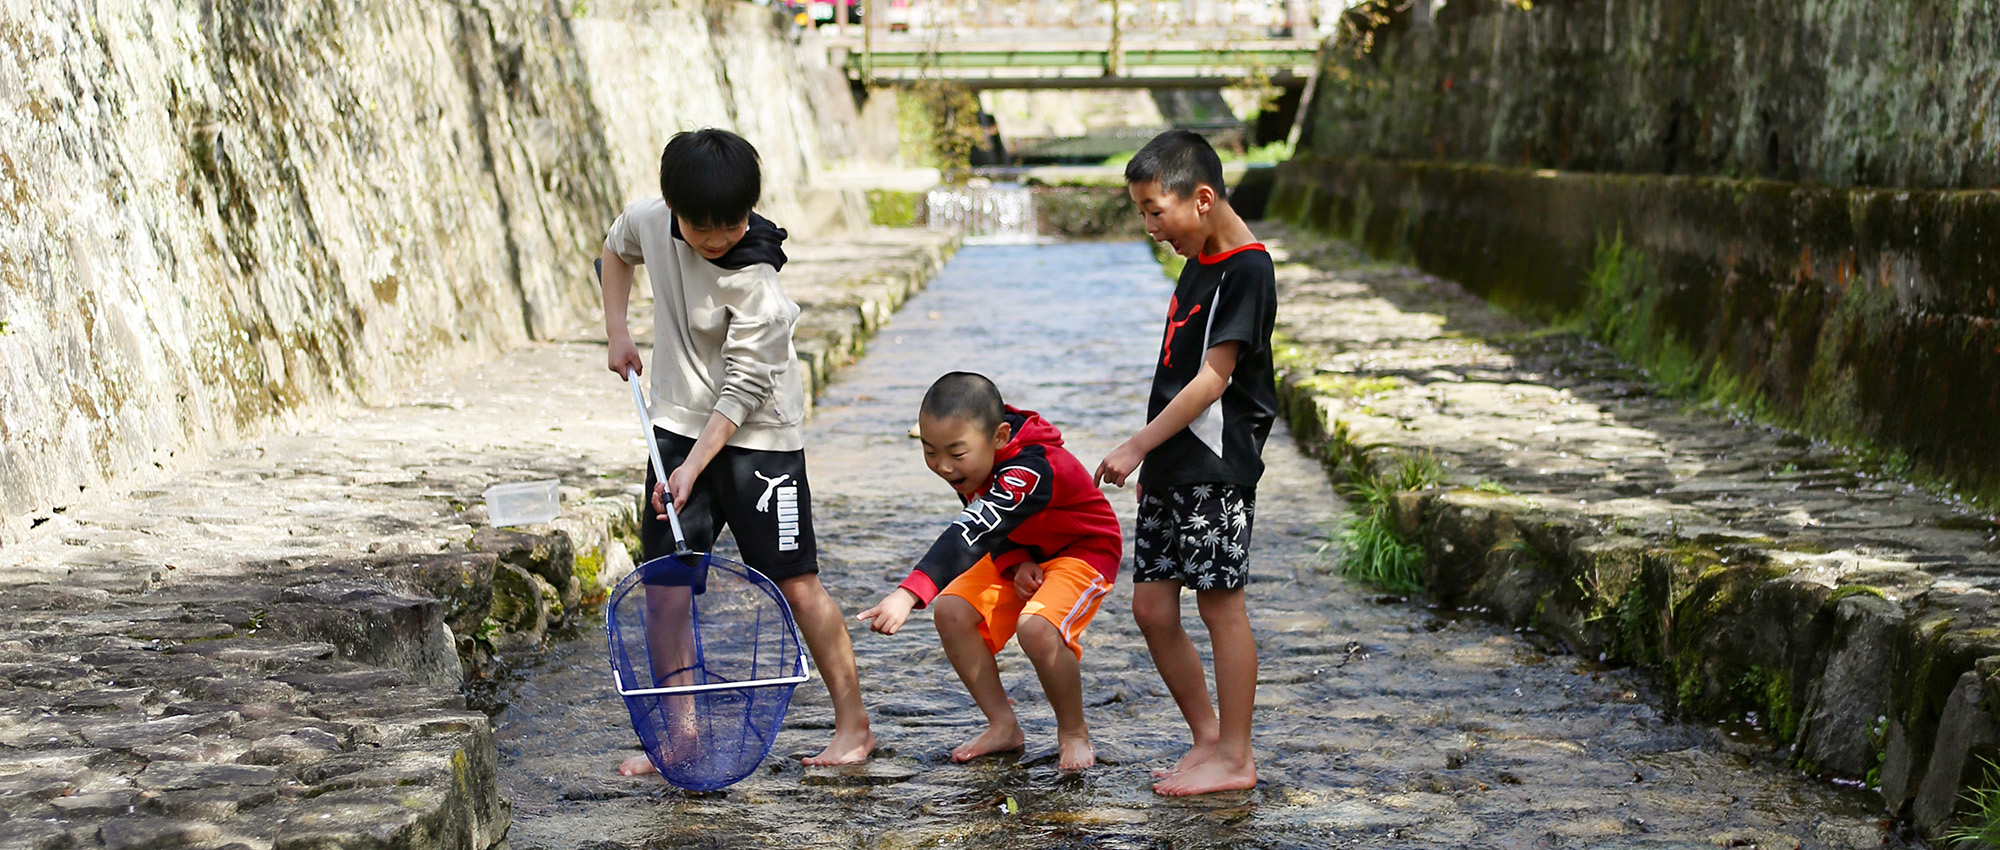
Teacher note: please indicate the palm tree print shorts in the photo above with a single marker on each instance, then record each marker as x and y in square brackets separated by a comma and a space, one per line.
[1196, 534]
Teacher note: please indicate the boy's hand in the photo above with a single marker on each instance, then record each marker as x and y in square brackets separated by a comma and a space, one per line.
[889, 614]
[624, 355]
[1118, 465]
[680, 483]
[1027, 579]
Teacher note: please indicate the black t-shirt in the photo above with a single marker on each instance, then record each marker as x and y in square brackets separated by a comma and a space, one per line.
[1229, 297]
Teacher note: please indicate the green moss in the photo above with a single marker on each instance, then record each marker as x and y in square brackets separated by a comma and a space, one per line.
[587, 565]
[1541, 608]
[1349, 386]
[1638, 627]
[893, 209]
[1697, 619]
[1781, 716]
[1919, 713]
[1846, 590]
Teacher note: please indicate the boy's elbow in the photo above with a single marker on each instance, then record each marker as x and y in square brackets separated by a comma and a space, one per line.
[1213, 392]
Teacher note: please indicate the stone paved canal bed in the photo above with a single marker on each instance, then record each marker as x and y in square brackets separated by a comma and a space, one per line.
[1381, 722]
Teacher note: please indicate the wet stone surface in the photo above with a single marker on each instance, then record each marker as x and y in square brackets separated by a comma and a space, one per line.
[1381, 723]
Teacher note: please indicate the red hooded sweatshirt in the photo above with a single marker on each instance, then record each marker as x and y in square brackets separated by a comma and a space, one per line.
[1039, 504]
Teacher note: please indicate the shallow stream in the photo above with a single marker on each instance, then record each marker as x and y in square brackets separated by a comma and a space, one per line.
[1379, 724]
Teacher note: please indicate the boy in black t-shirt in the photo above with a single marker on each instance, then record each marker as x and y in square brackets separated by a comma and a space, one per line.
[1213, 401]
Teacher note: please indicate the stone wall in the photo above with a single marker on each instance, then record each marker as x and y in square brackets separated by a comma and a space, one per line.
[215, 217]
[1842, 92]
[656, 68]
[1701, 225]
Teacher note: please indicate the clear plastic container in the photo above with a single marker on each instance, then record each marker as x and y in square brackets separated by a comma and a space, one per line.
[522, 503]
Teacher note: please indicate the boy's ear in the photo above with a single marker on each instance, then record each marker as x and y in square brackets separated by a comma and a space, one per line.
[1002, 434]
[1204, 198]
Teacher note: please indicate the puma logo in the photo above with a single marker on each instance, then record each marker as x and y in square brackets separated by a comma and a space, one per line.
[1167, 348]
[770, 486]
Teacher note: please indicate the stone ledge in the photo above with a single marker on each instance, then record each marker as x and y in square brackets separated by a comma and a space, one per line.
[116, 736]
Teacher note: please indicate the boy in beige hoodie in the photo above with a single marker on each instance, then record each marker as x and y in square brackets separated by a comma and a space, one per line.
[727, 400]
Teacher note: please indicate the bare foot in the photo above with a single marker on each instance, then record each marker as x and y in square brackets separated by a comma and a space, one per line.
[1077, 754]
[1207, 778]
[637, 765]
[994, 740]
[844, 749]
[1195, 755]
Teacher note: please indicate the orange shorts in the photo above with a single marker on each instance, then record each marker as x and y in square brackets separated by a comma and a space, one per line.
[1068, 598]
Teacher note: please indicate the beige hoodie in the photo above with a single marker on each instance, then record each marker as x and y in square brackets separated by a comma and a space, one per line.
[722, 338]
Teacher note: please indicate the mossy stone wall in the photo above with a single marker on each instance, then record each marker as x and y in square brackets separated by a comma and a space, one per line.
[1901, 93]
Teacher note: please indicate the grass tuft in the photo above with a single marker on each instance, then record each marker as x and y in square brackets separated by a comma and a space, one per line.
[1377, 557]
[1980, 825]
[1373, 553]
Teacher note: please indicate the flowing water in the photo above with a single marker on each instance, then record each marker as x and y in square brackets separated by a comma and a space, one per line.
[984, 213]
[1379, 723]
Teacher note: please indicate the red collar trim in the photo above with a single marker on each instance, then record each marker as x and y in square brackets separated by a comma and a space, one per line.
[1212, 259]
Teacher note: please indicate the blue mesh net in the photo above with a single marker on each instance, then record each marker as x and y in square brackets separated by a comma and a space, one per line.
[716, 640]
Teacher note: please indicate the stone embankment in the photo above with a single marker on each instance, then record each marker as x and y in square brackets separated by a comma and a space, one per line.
[1848, 614]
[273, 650]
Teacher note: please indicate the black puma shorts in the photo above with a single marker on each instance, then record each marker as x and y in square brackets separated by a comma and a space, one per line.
[761, 496]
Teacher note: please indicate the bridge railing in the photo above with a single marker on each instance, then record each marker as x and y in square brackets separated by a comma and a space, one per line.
[1074, 64]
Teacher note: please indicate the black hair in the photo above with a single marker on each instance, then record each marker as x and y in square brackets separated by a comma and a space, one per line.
[1181, 160]
[710, 177]
[965, 394]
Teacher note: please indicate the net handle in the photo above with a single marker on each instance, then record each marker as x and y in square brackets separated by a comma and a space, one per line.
[659, 466]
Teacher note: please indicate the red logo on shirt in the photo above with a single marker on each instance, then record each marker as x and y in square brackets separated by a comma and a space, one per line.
[1012, 486]
[1167, 348]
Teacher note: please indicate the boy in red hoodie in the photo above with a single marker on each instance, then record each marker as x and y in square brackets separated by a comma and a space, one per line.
[1033, 554]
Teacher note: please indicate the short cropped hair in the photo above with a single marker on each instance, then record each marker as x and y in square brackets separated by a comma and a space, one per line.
[965, 394]
[710, 177]
[1180, 160]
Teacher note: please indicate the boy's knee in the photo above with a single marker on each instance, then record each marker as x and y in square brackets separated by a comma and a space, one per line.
[802, 590]
[1154, 616]
[1220, 607]
[1038, 636]
[951, 613]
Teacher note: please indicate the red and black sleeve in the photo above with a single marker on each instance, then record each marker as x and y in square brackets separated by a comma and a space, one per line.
[1022, 486]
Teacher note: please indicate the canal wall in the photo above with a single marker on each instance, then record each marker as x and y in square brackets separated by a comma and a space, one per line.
[1791, 207]
[216, 219]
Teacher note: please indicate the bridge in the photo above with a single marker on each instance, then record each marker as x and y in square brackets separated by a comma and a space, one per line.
[1075, 64]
